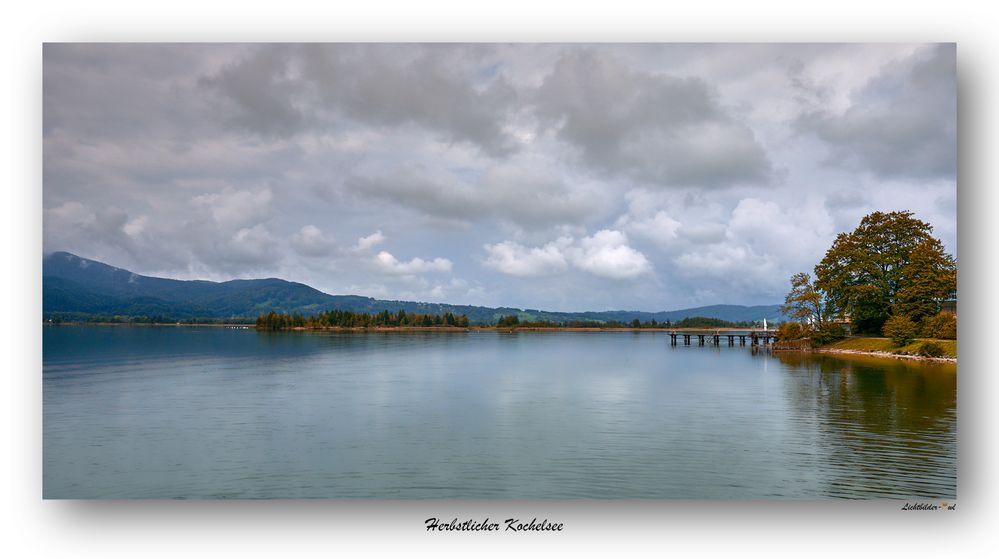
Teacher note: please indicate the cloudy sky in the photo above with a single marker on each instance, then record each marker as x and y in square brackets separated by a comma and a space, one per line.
[561, 177]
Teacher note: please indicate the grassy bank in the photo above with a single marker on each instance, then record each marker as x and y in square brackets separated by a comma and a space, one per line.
[884, 345]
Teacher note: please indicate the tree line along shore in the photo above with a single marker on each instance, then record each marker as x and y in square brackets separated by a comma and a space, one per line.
[339, 319]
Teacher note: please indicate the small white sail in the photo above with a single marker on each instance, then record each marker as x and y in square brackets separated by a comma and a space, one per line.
[764, 325]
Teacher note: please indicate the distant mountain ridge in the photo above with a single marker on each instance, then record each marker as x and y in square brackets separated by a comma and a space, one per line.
[75, 288]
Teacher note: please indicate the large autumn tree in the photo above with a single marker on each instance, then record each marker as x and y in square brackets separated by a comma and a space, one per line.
[867, 274]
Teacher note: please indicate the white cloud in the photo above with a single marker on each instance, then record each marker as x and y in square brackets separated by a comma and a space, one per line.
[372, 240]
[605, 254]
[310, 241]
[69, 214]
[608, 255]
[514, 259]
[136, 226]
[391, 265]
[250, 246]
[762, 246]
[661, 229]
[237, 209]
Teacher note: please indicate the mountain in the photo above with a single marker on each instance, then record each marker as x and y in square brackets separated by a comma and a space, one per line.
[731, 313]
[75, 288]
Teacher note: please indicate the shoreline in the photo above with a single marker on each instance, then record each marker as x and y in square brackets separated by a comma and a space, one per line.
[884, 354]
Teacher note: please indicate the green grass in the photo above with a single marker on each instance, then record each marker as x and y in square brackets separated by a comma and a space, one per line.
[885, 345]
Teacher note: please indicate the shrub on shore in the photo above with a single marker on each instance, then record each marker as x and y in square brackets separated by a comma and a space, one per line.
[942, 326]
[791, 331]
[827, 334]
[901, 329]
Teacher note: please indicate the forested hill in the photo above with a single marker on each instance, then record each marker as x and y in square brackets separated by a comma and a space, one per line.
[75, 288]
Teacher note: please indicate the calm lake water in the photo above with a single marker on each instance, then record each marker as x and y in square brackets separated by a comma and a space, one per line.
[215, 413]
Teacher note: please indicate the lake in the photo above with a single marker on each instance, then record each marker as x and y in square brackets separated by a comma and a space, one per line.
[213, 413]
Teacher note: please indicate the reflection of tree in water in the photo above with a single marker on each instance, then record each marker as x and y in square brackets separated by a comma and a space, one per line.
[881, 428]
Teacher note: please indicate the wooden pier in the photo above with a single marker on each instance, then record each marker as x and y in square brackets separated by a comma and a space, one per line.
[714, 336]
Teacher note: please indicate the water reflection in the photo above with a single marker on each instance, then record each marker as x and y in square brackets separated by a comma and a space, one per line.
[880, 425]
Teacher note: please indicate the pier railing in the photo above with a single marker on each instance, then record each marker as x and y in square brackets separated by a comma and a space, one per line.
[715, 337]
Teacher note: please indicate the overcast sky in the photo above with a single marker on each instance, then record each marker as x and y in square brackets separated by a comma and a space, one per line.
[560, 177]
